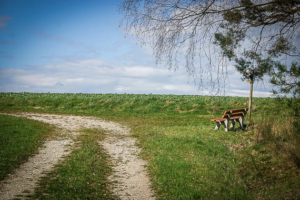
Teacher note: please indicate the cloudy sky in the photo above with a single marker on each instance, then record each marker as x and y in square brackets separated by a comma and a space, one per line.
[76, 47]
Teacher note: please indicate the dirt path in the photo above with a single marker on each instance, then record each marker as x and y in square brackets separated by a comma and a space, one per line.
[130, 178]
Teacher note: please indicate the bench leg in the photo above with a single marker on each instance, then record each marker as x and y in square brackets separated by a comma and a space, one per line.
[217, 126]
[232, 123]
[226, 125]
[241, 121]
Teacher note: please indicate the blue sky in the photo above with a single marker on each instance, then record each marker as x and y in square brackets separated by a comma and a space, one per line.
[75, 46]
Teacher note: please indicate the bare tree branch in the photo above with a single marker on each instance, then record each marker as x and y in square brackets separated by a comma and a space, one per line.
[177, 29]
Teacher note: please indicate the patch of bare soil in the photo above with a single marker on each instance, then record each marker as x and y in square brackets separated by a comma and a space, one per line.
[130, 177]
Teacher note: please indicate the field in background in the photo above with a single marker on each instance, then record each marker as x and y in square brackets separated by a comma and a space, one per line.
[187, 158]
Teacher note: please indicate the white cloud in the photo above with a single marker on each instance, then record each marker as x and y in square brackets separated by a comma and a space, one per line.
[140, 71]
[246, 93]
[92, 76]
[98, 76]
[75, 80]
[122, 89]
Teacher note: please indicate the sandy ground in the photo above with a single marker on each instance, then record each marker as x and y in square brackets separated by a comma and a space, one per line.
[130, 180]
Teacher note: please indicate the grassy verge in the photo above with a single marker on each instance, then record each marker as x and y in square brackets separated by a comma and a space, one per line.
[270, 165]
[187, 158]
[82, 175]
[19, 139]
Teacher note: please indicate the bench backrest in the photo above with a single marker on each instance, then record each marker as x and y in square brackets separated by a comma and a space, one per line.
[235, 112]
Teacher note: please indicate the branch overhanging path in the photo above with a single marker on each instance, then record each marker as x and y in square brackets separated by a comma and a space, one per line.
[130, 180]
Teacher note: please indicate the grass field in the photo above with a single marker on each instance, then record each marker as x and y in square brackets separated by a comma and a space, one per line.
[187, 158]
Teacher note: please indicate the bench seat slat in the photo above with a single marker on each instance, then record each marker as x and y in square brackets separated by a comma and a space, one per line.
[234, 114]
[234, 117]
[223, 119]
[235, 110]
[218, 120]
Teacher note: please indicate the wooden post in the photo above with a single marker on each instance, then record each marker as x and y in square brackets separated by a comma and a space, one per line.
[251, 81]
[250, 100]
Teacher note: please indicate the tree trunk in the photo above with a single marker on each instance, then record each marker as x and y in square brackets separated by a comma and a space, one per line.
[250, 101]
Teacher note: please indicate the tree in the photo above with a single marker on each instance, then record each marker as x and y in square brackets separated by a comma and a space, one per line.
[252, 34]
[287, 82]
[274, 22]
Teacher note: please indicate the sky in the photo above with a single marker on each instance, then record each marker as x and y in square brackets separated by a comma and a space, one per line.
[76, 46]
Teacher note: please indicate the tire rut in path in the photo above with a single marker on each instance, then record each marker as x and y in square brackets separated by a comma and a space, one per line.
[129, 177]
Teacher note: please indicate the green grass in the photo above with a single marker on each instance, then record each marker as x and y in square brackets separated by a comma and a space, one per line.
[82, 175]
[19, 139]
[187, 158]
[128, 104]
[194, 168]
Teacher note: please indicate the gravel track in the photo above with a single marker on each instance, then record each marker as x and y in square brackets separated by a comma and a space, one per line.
[130, 180]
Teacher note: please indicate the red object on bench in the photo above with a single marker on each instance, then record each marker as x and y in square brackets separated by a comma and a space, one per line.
[236, 115]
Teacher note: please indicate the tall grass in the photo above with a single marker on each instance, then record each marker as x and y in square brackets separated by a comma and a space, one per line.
[271, 163]
[283, 135]
[127, 104]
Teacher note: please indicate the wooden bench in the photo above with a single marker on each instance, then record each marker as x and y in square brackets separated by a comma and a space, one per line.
[234, 116]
